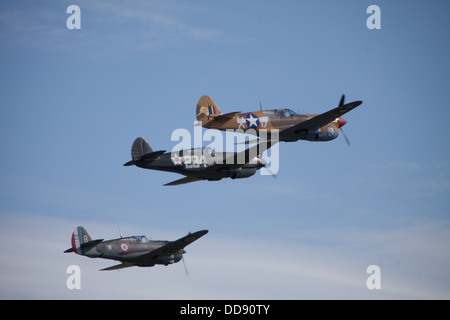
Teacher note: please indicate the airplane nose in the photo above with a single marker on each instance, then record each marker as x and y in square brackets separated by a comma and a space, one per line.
[262, 162]
[342, 122]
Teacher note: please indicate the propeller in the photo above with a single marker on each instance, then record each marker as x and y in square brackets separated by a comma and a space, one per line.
[271, 173]
[345, 137]
[184, 264]
[342, 123]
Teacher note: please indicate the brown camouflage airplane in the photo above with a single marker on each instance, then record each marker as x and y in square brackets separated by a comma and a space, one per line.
[291, 126]
[132, 251]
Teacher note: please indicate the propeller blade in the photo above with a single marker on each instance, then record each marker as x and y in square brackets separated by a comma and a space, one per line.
[271, 173]
[345, 137]
[185, 268]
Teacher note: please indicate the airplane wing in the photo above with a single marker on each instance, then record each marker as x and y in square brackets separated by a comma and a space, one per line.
[321, 119]
[118, 266]
[237, 160]
[249, 153]
[183, 181]
[171, 247]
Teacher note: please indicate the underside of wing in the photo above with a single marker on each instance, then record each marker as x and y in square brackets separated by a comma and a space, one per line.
[183, 181]
[171, 247]
[118, 266]
[321, 119]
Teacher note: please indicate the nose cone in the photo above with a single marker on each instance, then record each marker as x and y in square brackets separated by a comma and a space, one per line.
[342, 122]
[262, 162]
[257, 162]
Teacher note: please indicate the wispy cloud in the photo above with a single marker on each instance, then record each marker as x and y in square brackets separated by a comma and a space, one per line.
[413, 262]
[161, 18]
[418, 179]
[107, 26]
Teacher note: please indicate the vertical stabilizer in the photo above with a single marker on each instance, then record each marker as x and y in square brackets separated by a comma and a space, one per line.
[79, 237]
[139, 148]
[206, 107]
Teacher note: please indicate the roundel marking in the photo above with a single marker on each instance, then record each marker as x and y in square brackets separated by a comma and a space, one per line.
[252, 121]
[124, 247]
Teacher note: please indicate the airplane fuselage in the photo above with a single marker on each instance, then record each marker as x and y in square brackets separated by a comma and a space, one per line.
[252, 122]
[129, 248]
[208, 165]
[132, 251]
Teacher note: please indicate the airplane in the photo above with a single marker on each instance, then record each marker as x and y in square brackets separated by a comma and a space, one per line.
[291, 126]
[199, 163]
[132, 251]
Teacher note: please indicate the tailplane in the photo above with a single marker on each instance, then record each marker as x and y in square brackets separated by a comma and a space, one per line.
[80, 240]
[206, 107]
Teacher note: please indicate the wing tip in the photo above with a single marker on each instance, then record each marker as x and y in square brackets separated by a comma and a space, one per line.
[200, 233]
[118, 266]
[184, 180]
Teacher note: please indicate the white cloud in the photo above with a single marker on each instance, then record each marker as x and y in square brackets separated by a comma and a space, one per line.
[319, 264]
[107, 26]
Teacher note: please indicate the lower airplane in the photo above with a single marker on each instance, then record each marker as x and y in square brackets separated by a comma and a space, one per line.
[199, 163]
[132, 251]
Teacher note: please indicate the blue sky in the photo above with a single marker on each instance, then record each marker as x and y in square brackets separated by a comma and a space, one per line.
[73, 101]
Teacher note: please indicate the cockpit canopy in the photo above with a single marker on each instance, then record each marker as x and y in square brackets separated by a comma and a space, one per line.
[280, 113]
[141, 239]
[286, 113]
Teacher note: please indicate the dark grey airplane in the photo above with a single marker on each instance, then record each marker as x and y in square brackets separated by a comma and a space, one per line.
[199, 163]
[132, 251]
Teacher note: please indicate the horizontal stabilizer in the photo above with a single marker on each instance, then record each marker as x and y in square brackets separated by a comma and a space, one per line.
[146, 157]
[91, 243]
[226, 116]
[86, 244]
[129, 163]
[152, 156]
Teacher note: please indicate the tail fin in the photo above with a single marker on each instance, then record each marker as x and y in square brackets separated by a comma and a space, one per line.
[141, 150]
[79, 237]
[206, 107]
[81, 240]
